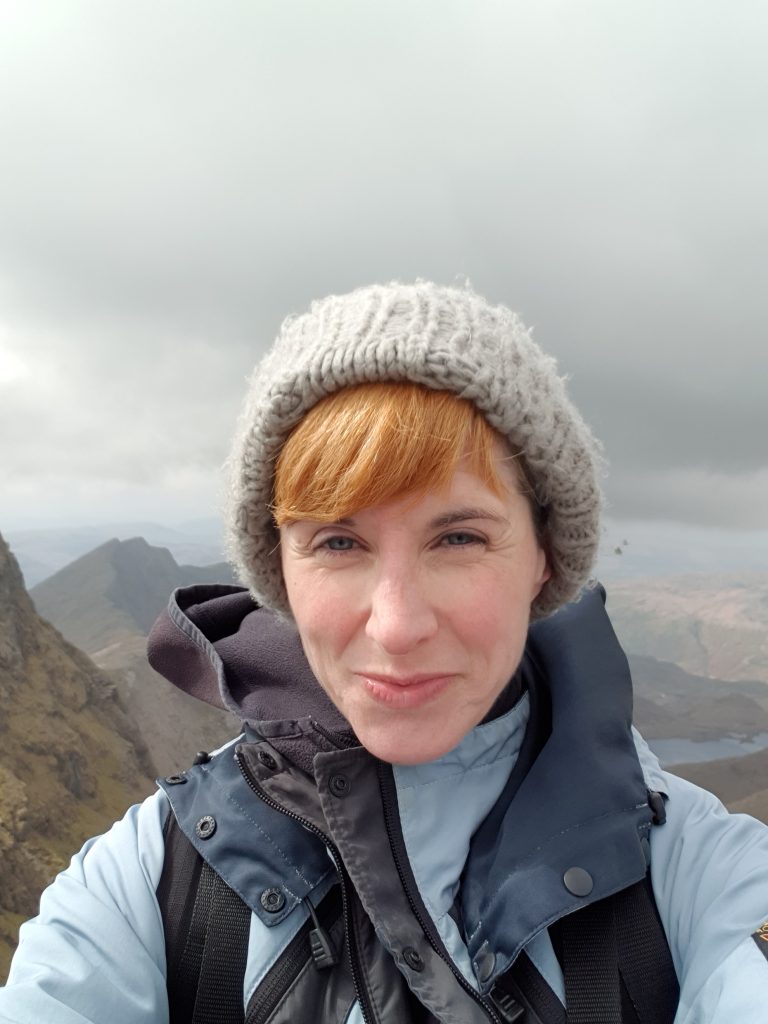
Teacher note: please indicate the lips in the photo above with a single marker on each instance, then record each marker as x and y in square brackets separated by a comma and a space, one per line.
[402, 692]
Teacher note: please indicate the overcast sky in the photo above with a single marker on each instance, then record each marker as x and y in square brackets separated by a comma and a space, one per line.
[177, 176]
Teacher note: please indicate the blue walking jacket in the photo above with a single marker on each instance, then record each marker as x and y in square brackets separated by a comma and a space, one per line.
[489, 834]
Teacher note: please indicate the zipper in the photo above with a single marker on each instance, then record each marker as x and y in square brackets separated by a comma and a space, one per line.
[292, 961]
[357, 978]
[386, 782]
[279, 980]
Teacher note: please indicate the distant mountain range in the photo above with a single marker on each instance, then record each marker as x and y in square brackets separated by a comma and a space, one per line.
[71, 758]
[710, 625]
[105, 603]
[43, 551]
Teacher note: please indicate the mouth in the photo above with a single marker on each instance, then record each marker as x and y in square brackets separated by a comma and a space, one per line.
[402, 692]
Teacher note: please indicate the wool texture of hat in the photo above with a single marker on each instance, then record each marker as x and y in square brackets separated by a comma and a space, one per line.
[448, 339]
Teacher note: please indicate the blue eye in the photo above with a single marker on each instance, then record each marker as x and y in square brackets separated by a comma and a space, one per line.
[460, 539]
[338, 544]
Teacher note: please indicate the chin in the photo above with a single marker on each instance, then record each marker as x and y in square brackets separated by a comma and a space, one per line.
[399, 749]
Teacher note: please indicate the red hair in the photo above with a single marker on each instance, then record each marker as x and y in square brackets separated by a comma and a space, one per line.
[373, 443]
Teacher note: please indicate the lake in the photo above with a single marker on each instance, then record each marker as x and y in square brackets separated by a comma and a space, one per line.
[676, 751]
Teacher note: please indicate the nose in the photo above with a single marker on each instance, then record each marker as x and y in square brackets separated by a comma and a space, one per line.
[401, 615]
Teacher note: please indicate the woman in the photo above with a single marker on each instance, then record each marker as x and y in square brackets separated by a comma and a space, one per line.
[437, 810]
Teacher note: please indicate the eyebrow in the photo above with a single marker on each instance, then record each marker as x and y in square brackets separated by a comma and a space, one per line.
[459, 515]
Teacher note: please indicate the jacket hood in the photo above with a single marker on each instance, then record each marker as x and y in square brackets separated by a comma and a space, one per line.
[215, 643]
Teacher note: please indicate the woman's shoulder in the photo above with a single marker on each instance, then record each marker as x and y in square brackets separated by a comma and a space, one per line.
[709, 870]
[710, 877]
[103, 902]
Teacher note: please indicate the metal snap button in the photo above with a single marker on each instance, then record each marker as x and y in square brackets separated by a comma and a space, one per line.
[339, 785]
[267, 760]
[273, 900]
[413, 958]
[484, 966]
[205, 828]
[202, 757]
[578, 881]
[176, 780]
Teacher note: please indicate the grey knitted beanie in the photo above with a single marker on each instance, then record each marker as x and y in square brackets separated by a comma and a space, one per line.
[449, 339]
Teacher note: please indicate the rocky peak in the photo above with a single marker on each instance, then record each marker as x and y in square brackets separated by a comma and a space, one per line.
[125, 580]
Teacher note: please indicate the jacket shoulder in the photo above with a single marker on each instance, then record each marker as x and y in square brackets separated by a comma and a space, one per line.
[710, 878]
[96, 950]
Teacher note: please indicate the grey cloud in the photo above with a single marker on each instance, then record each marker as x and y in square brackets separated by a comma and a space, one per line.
[652, 419]
[178, 178]
[691, 496]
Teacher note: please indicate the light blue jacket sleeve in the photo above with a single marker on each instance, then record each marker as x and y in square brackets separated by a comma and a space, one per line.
[95, 954]
[710, 877]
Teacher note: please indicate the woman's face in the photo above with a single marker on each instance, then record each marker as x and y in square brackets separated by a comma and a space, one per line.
[413, 615]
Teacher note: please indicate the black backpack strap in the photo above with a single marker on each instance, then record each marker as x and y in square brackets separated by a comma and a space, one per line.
[645, 961]
[206, 936]
[590, 965]
[616, 966]
[616, 961]
[528, 990]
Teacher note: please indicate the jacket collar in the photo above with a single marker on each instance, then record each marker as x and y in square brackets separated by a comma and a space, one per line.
[582, 804]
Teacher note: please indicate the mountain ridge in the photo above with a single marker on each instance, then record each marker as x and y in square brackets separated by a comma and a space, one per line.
[105, 603]
[42, 551]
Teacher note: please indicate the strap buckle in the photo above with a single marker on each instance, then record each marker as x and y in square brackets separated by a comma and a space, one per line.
[508, 1007]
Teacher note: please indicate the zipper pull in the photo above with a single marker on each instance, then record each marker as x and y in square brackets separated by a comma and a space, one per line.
[323, 950]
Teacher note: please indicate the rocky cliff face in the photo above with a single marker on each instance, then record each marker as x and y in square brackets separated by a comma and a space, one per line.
[71, 759]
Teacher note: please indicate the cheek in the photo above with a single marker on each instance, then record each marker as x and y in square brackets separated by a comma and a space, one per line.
[312, 619]
[493, 629]
[493, 624]
[323, 625]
